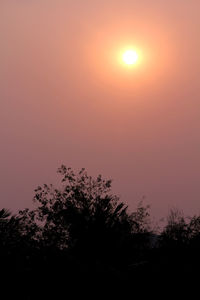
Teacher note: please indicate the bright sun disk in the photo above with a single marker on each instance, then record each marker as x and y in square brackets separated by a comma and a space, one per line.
[130, 57]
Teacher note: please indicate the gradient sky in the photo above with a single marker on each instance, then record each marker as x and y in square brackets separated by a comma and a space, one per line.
[66, 99]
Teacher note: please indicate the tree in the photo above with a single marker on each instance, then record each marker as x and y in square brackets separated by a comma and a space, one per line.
[84, 217]
[175, 232]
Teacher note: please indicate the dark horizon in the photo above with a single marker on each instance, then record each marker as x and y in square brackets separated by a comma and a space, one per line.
[81, 240]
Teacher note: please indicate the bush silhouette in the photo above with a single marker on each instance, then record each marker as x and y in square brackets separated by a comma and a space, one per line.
[84, 217]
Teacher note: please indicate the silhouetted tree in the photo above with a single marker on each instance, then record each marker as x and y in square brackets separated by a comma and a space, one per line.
[84, 217]
[175, 232]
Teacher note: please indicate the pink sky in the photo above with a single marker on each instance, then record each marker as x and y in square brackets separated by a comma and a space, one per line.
[65, 99]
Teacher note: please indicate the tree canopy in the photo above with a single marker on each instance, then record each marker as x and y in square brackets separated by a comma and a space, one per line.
[83, 215]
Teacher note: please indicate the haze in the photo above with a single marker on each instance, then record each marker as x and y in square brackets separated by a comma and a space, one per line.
[66, 99]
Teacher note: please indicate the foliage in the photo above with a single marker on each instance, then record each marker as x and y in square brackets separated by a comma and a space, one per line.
[176, 230]
[83, 214]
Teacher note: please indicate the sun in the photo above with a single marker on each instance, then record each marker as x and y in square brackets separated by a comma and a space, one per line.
[130, 57]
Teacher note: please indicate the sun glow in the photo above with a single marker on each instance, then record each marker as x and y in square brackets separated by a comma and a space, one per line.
[130, 57]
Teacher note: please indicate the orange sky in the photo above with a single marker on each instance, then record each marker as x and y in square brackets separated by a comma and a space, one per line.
[66, 98]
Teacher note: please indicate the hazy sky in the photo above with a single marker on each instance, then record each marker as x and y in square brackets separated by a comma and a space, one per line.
[66, 99]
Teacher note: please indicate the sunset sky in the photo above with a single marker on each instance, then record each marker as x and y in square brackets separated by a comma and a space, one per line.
[67, 97]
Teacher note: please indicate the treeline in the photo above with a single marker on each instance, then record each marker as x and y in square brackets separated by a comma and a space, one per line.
[81, 237]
